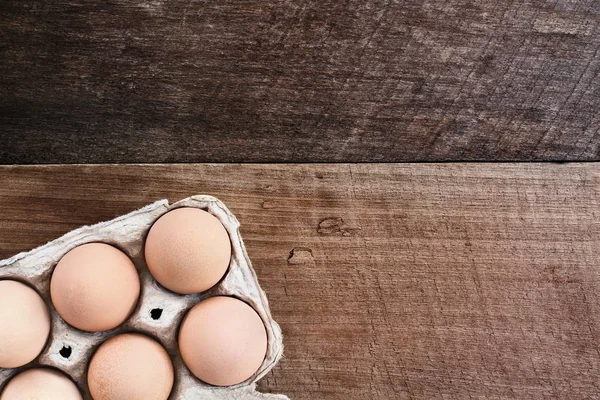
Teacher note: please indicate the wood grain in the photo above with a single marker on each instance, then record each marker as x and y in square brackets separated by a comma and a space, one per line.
[453, 281]
[298, 81]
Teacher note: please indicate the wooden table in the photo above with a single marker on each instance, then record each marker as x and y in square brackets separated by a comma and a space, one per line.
[97, 81]
[416, 281]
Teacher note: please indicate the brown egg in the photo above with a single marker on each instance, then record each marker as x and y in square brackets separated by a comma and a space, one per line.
[222, 341]
[24, 324]
[188, 250]
[40, 383]
[95, 287]
[130, 366]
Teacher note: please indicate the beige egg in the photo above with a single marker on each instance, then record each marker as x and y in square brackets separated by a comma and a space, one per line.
[95, 287]
[130, 366]
[24, 324]
[222, 341]
[40, 384]
[188, 250]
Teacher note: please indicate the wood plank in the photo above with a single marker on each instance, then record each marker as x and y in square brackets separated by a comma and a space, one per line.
[298, 81]
[415, 281]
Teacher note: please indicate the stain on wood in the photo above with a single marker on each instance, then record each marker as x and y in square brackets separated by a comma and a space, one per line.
[463, 281]
[101, 81]
[333, 226]
[301, 255]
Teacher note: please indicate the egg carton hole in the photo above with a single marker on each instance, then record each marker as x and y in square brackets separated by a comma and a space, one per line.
[65, 352]
[156, 313]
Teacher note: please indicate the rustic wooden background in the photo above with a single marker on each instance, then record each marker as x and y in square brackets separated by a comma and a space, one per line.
[306, 80]
[431, 281]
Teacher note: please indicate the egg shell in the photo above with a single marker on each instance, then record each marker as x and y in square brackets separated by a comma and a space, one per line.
[222, 341]
[187, 250]
[128, 233]
[24, 324]
[130, 366]
[95, 287]
[40, 383]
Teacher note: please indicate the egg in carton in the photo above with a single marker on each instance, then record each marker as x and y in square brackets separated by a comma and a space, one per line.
[158, 313]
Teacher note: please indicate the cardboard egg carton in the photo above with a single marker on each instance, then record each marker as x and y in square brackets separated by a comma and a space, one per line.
[69, 349]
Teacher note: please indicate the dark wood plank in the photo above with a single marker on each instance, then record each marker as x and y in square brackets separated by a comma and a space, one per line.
[311, 80]
[449, 281]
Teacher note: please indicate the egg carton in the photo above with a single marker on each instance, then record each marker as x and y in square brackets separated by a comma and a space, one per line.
[69, 349]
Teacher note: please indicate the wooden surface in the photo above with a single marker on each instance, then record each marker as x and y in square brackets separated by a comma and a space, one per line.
[307, 80]
[454, 281]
